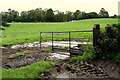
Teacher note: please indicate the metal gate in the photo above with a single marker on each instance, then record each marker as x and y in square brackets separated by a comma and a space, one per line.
[53, 36]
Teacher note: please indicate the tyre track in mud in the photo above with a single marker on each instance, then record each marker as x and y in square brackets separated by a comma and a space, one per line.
[80, 69]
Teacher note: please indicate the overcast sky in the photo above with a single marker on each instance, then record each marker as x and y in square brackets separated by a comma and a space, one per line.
[62, 5]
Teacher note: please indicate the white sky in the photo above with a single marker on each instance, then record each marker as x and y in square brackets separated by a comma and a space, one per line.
[62, 5]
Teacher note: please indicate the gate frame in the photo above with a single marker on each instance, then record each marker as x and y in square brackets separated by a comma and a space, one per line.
[69, 33]
[96, 33]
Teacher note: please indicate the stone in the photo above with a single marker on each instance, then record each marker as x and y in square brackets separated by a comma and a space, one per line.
[2, 47]
[68, 67]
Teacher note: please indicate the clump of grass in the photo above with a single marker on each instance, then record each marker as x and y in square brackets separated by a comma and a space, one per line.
[46, 49]
[4, 57]
[89, 53]
[84, 57]
[31, 71]
[25, 52]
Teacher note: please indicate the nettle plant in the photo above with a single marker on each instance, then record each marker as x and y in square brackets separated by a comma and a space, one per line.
[109, 42]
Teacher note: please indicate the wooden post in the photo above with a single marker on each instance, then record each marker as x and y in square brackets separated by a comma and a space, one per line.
[96, 33]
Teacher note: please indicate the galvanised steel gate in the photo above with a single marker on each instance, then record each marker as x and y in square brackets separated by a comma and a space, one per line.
[53, 37]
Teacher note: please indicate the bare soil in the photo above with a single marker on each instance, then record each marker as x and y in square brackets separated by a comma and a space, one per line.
[11, 61]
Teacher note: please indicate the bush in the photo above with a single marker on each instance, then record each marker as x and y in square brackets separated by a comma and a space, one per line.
[117, 58]
[109, 44]
[5, 24]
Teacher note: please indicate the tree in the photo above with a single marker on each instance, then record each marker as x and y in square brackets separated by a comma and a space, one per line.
[10, 16]
[85, 15]
[40, 14]
[115, 16]
[31, 16]
[93, 15]
[69, 16]
[77, 15]
[103, 13]
[4, 16]
[60, 17]
[49, 16]
[24, 16]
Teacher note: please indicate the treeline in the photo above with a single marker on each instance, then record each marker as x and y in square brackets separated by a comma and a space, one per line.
[48, 15]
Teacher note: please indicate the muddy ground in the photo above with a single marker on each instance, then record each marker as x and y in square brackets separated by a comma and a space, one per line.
[65, 69]
[10, 60]
[83, 69]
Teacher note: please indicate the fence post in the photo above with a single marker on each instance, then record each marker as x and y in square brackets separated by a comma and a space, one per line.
[69, 44]
[96, 33]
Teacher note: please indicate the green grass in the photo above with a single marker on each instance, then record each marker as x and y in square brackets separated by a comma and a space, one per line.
[4, 57]
[0, 73]
[29, 32]
[30, 71]
[25, 52]
[89, 53]
[84, 57]
[47, 49]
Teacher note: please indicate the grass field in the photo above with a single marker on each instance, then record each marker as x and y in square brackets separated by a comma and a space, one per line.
[29, 32]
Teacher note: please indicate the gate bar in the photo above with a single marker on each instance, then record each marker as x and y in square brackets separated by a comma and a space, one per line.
[40, 39]
[69, 31]
[52, 40]
[69, 44]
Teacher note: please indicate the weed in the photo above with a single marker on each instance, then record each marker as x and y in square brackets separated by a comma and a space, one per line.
[46, 49]
[4, 57]
[89, 53]
[25, 52]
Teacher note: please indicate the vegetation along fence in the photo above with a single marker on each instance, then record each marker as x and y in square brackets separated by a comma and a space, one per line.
[71, 36]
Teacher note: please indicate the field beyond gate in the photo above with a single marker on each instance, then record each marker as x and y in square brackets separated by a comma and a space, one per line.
[68, 43]
[29, 32]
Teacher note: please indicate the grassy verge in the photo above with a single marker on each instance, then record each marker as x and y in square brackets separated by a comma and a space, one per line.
[30, 71]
